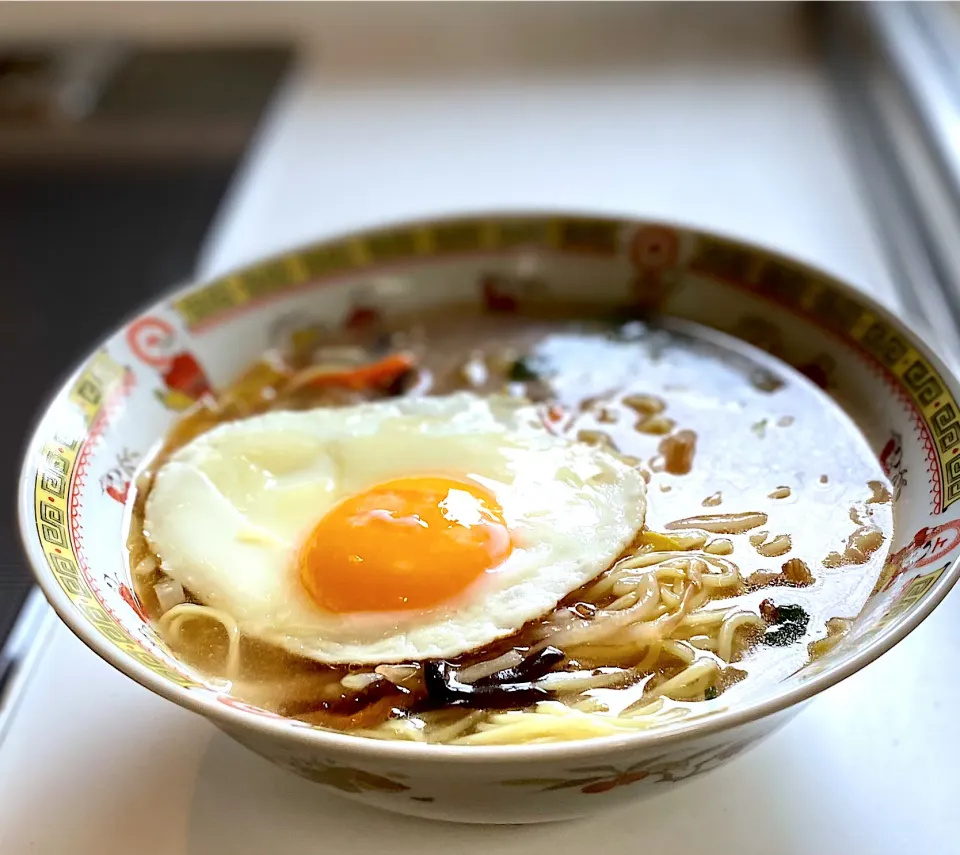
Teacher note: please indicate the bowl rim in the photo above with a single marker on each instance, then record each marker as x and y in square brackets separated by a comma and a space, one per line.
[281, 730]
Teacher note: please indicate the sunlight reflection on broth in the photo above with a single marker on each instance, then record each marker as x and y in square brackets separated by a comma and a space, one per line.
[750, 551]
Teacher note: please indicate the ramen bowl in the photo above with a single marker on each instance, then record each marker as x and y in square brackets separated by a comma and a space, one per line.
[81, 467]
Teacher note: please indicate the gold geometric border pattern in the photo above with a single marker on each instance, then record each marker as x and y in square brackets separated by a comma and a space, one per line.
[90, 396]
[914, 591]
[379, 249]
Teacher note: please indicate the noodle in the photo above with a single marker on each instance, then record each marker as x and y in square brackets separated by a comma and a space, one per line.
[728, 629]
[472, 673]
[172, 621]
[582, 681]
[648, 622]
[646, 633]
[553, 721]
[689, 682]
[646, 629]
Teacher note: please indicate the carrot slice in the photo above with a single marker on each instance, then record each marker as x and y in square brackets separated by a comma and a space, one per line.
[378, 374]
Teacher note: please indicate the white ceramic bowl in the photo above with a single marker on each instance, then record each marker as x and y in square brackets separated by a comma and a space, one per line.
[127, 392]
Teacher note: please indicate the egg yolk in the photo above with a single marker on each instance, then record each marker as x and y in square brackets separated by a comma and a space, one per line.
[411, 543]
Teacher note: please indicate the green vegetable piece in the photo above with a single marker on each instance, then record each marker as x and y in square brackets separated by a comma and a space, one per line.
[791, 624]
[792, 614]
[524, 370]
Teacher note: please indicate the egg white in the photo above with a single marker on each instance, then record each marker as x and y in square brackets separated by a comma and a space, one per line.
[227, 514]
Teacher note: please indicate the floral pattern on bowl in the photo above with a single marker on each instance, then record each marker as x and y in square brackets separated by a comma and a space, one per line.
[663, 768]
[345, 778]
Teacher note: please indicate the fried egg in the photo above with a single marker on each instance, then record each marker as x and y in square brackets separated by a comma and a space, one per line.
[390, 531]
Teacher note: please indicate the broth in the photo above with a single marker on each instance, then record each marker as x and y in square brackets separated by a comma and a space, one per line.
[767, 523]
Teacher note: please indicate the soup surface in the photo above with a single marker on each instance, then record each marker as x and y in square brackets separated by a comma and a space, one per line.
[765, 522]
